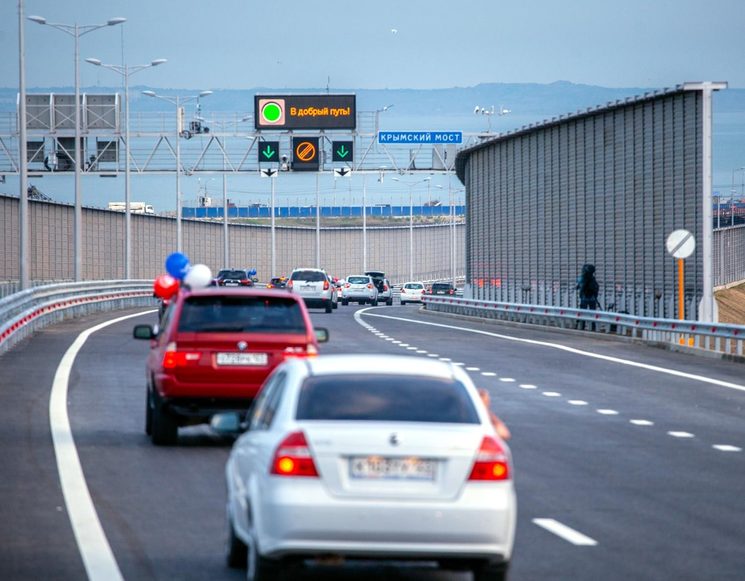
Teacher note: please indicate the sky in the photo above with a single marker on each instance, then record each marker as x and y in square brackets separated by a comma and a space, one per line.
[351, 44]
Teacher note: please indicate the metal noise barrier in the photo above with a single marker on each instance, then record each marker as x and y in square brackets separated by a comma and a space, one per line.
[720, 338]
[23, 313]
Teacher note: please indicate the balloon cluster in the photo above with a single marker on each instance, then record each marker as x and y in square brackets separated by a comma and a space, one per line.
[180, 271]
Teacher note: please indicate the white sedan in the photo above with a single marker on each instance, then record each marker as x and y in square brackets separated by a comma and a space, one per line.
[369, 457]
[411, 292]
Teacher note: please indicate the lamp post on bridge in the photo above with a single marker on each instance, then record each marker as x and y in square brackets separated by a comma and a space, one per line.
[178, 101]
[126, 71]
[411, 185]
[76, 31]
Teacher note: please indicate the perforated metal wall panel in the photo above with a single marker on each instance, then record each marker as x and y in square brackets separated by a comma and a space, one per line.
[604, 187]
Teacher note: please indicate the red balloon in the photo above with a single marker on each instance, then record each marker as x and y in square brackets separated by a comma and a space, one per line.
[165, 286]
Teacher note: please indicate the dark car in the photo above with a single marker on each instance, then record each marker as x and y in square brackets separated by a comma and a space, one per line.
[277, 282]
[214, 348]
[216, 279]
[443, 288]
[235, 277]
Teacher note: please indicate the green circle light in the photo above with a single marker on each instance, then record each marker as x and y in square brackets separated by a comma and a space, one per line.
[271, 112]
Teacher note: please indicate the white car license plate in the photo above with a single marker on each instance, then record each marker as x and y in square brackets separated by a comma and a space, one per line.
[242, 358]
[382, 468]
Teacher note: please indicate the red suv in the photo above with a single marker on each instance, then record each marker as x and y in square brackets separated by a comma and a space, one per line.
[213, 350]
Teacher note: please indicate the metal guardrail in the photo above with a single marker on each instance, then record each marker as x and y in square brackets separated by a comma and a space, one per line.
[23, 313]
[716, 337]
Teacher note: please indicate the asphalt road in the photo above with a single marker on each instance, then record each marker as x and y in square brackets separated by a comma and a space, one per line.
[623, 455]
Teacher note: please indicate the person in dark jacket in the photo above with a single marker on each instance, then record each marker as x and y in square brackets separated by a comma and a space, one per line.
[588, 288]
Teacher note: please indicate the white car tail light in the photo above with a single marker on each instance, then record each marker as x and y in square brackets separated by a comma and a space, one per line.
[491, 461]
[293, 457]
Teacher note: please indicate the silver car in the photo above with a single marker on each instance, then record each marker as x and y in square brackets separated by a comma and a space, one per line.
[315, 286]
[359, 288]
[370, 457]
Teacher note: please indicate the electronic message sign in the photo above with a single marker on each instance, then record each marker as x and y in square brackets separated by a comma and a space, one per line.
[305, 112]
[305, 156]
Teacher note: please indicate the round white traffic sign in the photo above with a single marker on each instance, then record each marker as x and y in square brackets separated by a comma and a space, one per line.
[681, 243]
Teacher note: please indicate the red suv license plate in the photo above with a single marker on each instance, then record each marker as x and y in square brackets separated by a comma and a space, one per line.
[242, 358]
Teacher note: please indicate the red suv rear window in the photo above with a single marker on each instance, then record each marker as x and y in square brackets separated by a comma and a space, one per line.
[236, 314]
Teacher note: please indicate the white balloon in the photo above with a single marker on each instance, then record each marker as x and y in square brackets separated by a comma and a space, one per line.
[199, 276]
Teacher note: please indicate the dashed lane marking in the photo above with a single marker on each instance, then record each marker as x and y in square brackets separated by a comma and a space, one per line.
[473, 369]
[488, 374]
[565, 532]
[528, 386]
[551, 394]
[577, 402]
[726, 448]
[605, 412]
[680, 434]
[641, 422]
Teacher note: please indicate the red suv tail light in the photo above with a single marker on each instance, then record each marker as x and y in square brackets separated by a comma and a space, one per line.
[173, 358]
[347, 285]
[289, 284]
[491, 461]
[293, 457]
[245, 282]
[325, 285]
[385, 287]
[309, 350]
[369, 285]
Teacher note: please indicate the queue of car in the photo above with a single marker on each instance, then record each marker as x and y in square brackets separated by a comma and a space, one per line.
[336, 456]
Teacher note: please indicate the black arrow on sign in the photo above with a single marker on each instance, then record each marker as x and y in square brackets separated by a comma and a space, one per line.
[269, 172]
[343, 171]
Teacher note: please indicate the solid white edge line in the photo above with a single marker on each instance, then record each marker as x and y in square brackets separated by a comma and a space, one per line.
[618, 360]
[565, 532]
[98, 558]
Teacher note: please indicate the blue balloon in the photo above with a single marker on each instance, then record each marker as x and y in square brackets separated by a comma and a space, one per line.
[177, 265]
[252, 272]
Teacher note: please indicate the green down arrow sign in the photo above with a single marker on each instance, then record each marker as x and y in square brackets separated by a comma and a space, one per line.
[342, 151]
[269, 151]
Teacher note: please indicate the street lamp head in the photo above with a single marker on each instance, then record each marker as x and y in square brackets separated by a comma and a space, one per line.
[114, 21]
[96, 62]
[37, 19]
[157, 62]
[149, 93]
[205, 93]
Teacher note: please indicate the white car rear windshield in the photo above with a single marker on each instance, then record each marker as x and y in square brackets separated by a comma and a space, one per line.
[309, 275]
[385, 398]
[358, 280]
[233, 314]
[413, 286]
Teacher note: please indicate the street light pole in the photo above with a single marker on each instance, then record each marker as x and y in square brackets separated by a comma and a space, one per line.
[126, 71]
[76, 31]
[178, 101]
[411, 221]
[23, 219]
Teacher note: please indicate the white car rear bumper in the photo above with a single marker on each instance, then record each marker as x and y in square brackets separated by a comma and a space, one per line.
[298, 516]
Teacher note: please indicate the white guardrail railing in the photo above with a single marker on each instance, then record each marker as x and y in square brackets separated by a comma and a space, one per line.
[715, 337]
[24, 312]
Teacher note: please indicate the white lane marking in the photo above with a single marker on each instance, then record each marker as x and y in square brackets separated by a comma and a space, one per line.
[94, 548]
[609, 358]
[410, 348]
[432, 355]
[473, 369]
[507, 379]
[458, 363]
[551, 393]
[577, 402]
[488, 374]
[641, 422]
[726, 448]
[396, 342]
[421, 351]
[607, 412]
[402, 344]
[445, 359]
[528, 386]
[565, 532]
[391, 339]
[680, 434]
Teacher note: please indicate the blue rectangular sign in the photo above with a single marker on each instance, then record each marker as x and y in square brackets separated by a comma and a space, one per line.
[415, 137]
